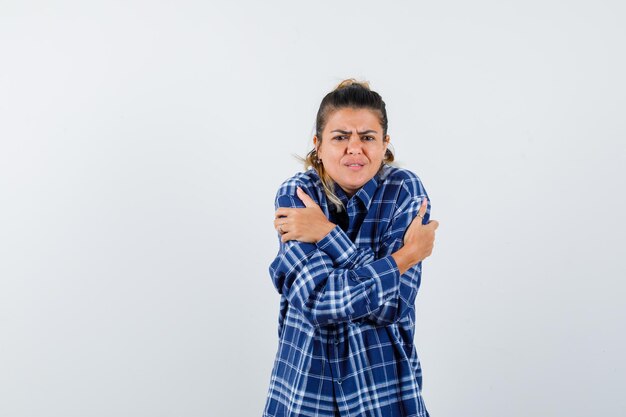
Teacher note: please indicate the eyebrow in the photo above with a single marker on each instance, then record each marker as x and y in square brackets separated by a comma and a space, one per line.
[345, 132]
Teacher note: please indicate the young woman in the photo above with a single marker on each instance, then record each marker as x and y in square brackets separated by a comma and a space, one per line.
[348, 270]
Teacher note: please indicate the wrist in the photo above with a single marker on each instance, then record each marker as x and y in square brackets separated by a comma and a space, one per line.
[400, 257]
[325, 231]
[404, 259]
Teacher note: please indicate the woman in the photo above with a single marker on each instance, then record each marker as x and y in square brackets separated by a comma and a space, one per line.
[348, 270]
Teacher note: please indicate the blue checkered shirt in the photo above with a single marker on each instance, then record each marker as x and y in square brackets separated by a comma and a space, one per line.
[347, 318]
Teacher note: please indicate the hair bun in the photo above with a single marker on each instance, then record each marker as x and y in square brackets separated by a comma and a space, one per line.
[351, 81]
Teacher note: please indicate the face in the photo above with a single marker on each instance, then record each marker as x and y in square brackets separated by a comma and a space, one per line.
[352, 147]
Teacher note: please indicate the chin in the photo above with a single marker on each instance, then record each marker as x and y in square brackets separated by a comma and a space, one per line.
[355, 183]
[356, 186]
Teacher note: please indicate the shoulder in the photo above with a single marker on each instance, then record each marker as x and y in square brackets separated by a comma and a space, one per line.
[307, 179]
[407, 181]
[286, 195]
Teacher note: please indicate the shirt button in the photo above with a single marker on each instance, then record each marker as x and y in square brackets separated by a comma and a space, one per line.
[339, 381]
[336, 341]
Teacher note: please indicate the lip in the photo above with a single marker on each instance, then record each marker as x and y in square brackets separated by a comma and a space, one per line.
[355, 161]
[355, 167]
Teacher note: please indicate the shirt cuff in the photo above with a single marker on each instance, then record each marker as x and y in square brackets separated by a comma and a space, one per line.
[388, 273]
[337, 245]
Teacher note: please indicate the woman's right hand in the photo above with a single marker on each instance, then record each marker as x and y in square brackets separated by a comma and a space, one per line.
[419, 240]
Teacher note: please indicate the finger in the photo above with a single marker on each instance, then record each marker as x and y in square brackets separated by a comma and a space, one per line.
[286, 237]
[308, 201]
[423, 207]
[282, 211]
[434, 224]
[280, 222]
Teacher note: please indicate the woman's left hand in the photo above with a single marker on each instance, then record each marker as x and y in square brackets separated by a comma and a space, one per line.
[307, 224]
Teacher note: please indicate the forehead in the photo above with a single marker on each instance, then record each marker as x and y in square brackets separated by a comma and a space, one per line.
[350, 119]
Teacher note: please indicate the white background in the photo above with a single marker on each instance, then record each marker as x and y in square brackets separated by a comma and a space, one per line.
[142, 143]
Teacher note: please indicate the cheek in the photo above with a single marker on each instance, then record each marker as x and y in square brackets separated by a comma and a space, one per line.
[377, 153]
[331, 154]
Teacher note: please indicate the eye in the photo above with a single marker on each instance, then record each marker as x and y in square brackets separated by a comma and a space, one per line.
[369, 138]
[339, 137]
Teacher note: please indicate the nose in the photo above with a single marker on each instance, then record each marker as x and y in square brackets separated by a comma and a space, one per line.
[354, 144]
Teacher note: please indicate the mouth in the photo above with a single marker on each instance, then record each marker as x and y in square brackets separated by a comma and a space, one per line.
[355, 166]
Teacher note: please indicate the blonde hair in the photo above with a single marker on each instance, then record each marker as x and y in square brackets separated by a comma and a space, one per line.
[349, 93]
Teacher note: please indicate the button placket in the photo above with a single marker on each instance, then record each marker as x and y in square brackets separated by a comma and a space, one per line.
[334, 340]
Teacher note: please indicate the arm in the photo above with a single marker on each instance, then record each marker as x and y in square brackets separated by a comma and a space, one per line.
[410, 279]
[323, 293]
[344, 255]
[350, 256]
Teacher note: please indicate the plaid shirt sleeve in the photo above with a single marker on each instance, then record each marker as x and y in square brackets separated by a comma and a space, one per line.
[346, 254]
[334, 281]
[324, 294]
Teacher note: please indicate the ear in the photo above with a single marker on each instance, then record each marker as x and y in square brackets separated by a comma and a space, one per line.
[386, 140]
[317, 143]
